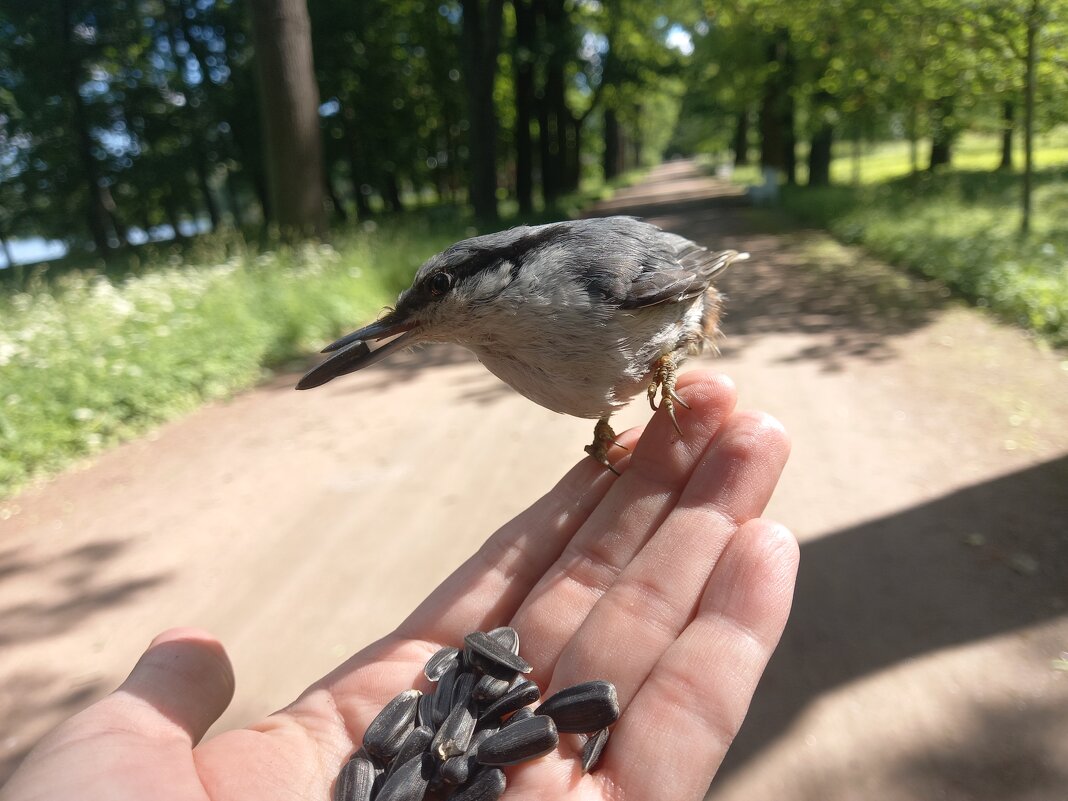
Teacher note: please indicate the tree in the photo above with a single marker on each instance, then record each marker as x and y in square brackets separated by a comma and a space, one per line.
[290, 112]
[481, 45]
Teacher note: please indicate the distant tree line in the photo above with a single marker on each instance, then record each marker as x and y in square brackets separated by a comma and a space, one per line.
[775, 74]
[118, 117]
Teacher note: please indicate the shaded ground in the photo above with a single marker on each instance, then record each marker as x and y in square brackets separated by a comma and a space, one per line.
[927, 485]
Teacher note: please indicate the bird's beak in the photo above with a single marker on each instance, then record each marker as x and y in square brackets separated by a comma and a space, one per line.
[352, 353]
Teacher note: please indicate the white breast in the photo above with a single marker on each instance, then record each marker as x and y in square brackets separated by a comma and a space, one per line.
[576, 362]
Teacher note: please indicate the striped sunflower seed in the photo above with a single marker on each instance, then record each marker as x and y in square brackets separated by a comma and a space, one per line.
[519, 742]
[440, 662]
[506, 636]
[417, 741]
[424, 715]
[455, 733]
[387, 731]
[409, 781]
[487, 785]
[526, 713]
[356, 780]
[521, 694]
[490, 688]
[591, 750]
[455, 770]
[443, 696]
[483, 651]
[586, 707]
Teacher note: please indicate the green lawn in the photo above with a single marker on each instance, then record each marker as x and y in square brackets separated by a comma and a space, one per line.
[960, 226]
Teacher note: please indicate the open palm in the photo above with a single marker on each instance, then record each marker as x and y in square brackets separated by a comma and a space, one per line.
[664, 581]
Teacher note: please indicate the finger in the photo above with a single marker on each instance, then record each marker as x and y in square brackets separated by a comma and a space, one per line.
[687, 713]
[632, 510]
[178, 688]
[136, 743]
[656, 595]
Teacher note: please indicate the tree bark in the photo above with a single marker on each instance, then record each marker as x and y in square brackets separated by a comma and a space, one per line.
[1033, 24]
[740, 142]
[941, 133]
[95, 211]
[524, 104]
[612, 150]
[777, 139]
[1008, 115]
[281, 33]
[819, 156]
[205, 189]
[481, 36]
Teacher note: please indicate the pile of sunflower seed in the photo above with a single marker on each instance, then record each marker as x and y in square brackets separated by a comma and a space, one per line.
[452, 743]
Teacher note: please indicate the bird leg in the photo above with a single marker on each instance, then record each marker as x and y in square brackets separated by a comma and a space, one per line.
[603, 438]
[665, 373]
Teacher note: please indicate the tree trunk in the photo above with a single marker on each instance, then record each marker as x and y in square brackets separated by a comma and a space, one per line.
[740, 142]
[941, 133]
[1008, 114]
[524, 104]
[205, 189]
[95, 211]
[819, 156]
[481, 36]
[281, 33]
[612, 149]
[1033, 24]
[777, 140]
[335, 200]
[391, 191]
[232, 200]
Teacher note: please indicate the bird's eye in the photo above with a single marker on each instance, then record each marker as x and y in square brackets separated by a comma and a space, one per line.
[440, 283]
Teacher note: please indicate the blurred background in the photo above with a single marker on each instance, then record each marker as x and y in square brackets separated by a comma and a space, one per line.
[196, 195]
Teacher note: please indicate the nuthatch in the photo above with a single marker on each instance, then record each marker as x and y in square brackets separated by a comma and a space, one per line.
[578, 316]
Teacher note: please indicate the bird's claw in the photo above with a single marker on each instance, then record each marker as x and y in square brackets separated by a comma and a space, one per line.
[603, 438]
[664, 376]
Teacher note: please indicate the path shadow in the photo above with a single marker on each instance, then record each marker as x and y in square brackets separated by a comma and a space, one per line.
[74, 590]
[982, 561]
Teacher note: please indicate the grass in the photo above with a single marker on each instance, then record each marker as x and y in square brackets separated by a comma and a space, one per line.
[960, 226]
[92, 356]
[88, 360]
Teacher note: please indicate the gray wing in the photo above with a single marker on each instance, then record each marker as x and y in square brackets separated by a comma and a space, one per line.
[674, 270]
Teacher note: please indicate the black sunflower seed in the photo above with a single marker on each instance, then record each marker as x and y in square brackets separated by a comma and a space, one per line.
[592, 748]
[387, 731]
[586, 707]
[525, 740]
[481, 650]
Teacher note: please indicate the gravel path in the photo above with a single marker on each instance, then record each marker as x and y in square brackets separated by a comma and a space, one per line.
[928, 485]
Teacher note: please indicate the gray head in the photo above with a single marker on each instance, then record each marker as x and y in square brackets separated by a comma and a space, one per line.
[448, 297]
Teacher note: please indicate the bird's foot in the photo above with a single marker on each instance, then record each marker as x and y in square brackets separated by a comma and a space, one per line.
[665, 374]
[603, 439]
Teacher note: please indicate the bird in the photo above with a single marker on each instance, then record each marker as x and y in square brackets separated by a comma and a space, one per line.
[579, 316]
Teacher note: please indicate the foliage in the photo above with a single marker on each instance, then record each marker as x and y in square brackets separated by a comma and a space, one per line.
[87, 360]
[954, 227]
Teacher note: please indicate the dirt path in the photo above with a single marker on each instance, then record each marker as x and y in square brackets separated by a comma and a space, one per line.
[928, 485]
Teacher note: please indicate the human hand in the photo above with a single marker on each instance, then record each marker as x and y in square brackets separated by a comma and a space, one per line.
[664, 581]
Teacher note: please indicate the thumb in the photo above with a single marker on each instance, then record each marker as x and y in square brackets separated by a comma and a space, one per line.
[183, 682]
